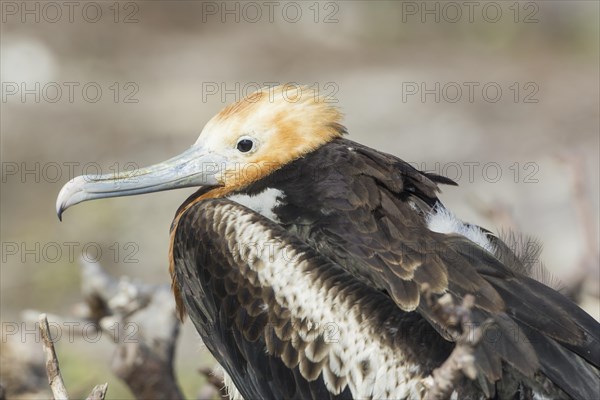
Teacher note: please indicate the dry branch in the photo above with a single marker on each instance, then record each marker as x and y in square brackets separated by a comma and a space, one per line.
[140, 319]
[57, 385]
[98, 392]
[461, 362]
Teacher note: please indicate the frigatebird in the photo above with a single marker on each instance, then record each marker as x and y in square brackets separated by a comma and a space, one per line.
[303, 257]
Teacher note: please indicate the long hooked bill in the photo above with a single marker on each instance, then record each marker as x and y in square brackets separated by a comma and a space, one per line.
[195, 167]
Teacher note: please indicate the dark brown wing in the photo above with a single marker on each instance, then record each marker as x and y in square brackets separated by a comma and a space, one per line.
[375, 227]
[287, 323]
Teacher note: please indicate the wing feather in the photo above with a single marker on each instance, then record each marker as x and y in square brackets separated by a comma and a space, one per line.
[384, 241]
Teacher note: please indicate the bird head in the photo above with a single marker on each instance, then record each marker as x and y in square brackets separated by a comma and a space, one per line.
[243, 143]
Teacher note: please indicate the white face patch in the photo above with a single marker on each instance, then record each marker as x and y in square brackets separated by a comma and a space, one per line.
[442, 220]
[262, 203]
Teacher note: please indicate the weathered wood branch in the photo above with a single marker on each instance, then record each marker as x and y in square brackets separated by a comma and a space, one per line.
[461, 362]
[98, 392]
[139, 318]
[57, 385]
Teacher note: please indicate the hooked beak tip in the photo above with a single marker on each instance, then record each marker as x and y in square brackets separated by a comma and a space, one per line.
[60, 207]
[67, 195]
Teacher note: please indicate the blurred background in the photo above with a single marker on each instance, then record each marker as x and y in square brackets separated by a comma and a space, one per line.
[501, 96]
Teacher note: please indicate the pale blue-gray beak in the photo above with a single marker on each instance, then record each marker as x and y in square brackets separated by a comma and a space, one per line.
[194, 167]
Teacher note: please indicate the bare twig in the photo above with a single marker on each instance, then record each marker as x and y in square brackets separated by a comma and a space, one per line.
[55, 380]
[98, 392]
[461, 362]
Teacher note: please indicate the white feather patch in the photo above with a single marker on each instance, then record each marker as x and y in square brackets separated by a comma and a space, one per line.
[263, 202]
[442, 220]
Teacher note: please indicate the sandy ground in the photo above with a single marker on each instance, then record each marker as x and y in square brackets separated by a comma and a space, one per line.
[518, 154]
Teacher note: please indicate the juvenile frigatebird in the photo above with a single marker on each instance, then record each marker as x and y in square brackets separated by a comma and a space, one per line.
[303, 257]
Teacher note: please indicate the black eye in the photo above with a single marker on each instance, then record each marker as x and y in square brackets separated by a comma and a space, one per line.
[245, 145]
